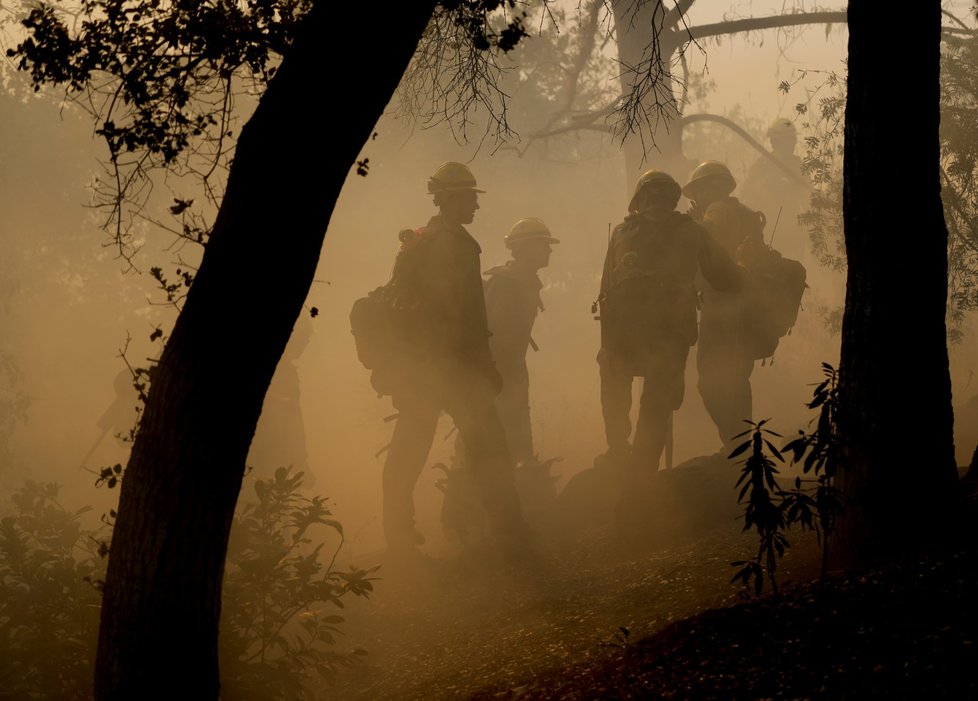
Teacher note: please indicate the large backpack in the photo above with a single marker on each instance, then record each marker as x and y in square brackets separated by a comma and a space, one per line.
[382, 321]
[773, 300]
[775, 286]
[645, 301]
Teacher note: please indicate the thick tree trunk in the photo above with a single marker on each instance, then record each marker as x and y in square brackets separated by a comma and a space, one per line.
[161, 607]
[894, 380]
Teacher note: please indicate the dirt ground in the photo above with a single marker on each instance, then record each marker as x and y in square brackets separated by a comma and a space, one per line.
[450, 626]
[593, 617]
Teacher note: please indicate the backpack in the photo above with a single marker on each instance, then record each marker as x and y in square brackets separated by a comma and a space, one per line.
[382, 320]
[775, 288]
[774, 299]
[644, 300]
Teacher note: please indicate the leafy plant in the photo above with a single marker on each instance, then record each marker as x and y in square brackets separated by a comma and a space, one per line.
[813, 503]
[822, 454]
[279, 625]
[821, 115]
[766, 506]
[49, 598]
[279, 618]
[14, 403]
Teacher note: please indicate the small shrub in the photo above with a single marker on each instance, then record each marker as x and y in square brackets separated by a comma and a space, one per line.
[279, 623]
[822, 454]
[50, 571]
[765, 506]
[813, 503]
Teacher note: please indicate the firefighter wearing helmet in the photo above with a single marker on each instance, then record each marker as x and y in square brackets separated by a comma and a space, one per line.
[728, 340]
[513, 300]
[437, 280]
[647, 310]
[776, 185]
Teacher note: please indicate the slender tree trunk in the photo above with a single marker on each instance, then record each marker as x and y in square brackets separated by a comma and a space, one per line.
[161, 607]
[894, 381]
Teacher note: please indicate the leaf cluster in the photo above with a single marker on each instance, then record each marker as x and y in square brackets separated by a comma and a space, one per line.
[280, 617]
[489, 24]
[158, 56]
[14, 402]
[279, 624]
[813, 503]
[49, 600]
[159, 78]
[822, 115]
[766, 506]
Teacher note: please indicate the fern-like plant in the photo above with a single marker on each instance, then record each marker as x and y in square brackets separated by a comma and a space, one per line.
[764, 505]
[821, 453]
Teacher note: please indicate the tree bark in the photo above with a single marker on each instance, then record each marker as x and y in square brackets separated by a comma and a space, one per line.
[895, 389]
[161, 606]
[646, 45]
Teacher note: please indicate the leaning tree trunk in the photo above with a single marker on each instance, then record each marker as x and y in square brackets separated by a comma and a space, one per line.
[894, 381]
[161, 606]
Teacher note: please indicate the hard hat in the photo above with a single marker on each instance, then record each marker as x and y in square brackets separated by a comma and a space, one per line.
[452, 176]
[528, 229]
[781, 126]
[653, 180]
[709, 170]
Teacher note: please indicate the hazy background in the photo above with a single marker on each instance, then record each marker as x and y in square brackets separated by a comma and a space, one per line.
[67, 307]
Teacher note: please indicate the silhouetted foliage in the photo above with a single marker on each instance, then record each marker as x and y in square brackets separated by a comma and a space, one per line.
[279, 626]
[49, 601]
[821, 114]
[279, 619]
[824, 456]
[765, 508]
[812, 503]
[176, 78]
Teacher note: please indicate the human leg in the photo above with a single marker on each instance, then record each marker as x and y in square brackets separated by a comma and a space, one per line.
[724, 368]
[616, 404]
[414, 432]
[662, 393]
[513, 406]
[487, 456]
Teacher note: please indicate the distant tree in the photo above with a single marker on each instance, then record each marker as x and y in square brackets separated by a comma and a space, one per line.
[164, 63]
[895, 389]
[647, 114]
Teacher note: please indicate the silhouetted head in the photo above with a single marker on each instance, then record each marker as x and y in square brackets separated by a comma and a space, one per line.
[455, 193]
[530, 241]
[656, 190]
[709, 181]
[783, 136]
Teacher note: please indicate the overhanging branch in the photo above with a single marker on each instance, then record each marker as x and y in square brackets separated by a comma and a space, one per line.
[749, 24]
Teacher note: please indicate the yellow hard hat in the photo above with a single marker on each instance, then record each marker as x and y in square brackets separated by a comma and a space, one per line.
[653, 179]
[528, 229]
[709, 170]
[452, 176]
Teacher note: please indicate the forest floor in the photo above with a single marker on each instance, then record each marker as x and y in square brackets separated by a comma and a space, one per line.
[591, 617]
